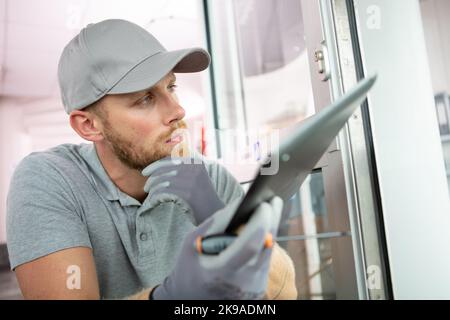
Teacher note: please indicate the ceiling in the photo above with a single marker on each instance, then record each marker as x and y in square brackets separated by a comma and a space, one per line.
[33, 34]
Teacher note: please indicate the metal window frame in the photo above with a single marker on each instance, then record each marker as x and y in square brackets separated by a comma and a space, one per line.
[356, 152]
[366, 168]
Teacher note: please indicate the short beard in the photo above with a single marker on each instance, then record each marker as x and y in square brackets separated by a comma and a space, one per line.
[131, 155]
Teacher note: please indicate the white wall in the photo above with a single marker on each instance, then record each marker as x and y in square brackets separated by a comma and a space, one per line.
[436, 22]
[9, 145]
[414, 192]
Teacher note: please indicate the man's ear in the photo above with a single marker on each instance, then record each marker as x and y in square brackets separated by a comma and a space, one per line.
[87, 125]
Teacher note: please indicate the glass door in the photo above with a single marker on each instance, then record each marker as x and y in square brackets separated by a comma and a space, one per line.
[272, 62]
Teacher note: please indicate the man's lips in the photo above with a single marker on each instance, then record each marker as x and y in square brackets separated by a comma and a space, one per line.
[175, 139]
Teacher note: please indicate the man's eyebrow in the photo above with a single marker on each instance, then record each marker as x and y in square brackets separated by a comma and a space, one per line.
[173, 78]
[139, 94]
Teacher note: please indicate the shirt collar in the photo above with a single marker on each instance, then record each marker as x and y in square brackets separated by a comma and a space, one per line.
[101, 179]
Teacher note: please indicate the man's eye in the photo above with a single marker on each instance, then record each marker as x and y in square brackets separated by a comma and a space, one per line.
[172, 87]
[146, 100]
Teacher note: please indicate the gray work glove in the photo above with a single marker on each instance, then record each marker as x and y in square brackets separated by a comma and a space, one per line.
[238, 272]
[188, 180]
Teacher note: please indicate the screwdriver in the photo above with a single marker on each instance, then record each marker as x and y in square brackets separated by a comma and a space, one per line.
[215, 244]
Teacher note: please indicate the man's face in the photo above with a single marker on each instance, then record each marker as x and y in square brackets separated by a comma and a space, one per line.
[138, 126]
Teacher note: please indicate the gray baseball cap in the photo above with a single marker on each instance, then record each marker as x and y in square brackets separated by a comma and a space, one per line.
[117, 56]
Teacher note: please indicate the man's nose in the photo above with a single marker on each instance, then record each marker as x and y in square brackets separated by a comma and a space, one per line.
[175, 112]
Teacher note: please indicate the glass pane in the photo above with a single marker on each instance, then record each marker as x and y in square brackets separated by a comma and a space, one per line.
[313, 260]
[261, 70]
[274, 63]
[306, 212]
[263, 85]
[437, 36]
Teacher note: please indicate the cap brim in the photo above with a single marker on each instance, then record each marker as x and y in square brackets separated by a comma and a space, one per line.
[151, 70]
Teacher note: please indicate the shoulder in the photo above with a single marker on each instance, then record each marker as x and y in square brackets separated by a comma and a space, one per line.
[43, 212]
[48, 175]
[52, 163]
[56, 155]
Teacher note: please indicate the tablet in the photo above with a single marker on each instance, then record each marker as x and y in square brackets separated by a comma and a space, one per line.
[299, 153]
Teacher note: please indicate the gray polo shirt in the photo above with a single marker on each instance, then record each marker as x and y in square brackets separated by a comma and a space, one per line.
[63, 198]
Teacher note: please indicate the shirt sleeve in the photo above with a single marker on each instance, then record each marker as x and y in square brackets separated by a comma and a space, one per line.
[226, 185]
[42, 214]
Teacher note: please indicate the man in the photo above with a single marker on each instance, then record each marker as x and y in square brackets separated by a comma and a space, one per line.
[117, 218]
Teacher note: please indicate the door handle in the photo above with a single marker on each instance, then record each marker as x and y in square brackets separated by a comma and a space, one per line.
[322, 62]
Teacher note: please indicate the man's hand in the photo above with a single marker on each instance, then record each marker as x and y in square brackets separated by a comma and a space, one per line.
[188, 180]
[238, 272]
[167, 177]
